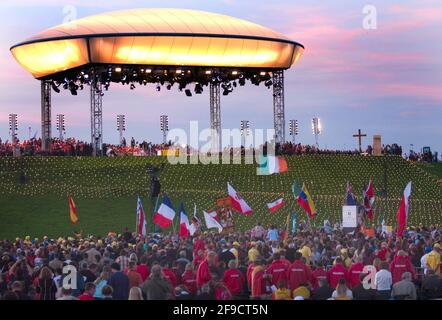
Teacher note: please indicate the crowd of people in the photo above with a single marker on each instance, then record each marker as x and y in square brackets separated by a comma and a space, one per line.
[319, 264]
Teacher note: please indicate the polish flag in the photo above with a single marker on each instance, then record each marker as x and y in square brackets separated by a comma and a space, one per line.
[238, 203]
[212, 223]
[402, 213]
[141, 219]
[184, 223]
[275, 205]
[165, 214]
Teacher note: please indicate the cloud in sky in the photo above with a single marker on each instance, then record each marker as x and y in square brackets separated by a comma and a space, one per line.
[349, 76]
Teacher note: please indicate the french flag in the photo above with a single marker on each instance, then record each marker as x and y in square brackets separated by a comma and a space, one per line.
[184, 223]
[275, 205]
[165, 214]
[238, 203]
[402, 213]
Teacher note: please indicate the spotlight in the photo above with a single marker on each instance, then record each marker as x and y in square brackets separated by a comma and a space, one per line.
[234, 73]
[208, 71]
[118, 69]
[262, 73]
[148, 70]
[188, 92]
[178, 71]
[55, 87]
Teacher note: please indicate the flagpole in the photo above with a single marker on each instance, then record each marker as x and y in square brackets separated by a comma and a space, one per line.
[136, 218]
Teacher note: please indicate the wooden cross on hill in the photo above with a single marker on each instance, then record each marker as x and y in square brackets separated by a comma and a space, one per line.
[360, 135]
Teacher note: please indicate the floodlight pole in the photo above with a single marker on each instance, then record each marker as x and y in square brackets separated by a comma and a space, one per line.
[278, 106]
[45, 115]
[215, 116]
[96, 117]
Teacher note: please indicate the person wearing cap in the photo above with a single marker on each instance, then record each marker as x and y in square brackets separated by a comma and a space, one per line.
[433, 259]
[258, 279]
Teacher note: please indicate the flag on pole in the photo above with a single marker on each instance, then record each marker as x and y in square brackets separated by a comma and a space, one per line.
[368, 196]
[196, 223]
[304, 199]
[184, 223]
[294, 220]
[270, 164]
[212, 223]
[275, 205]
[72, 210]
[165, 214]
[402, 213]
[141, 219]
[238, 203]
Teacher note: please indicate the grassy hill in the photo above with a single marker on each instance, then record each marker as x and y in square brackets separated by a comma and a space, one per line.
[105, 190]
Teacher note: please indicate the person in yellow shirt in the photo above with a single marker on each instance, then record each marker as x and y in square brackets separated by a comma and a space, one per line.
[306, 253]
[433, 259]
[345, 259]
[282, 293]
[253, 252]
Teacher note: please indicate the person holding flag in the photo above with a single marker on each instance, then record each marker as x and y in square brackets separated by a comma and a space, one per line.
[141, 219]
[402, 213]
[165, 214]
[184, 223]
[304, 199]
[368, 196]
[195, 226]
[73, 215]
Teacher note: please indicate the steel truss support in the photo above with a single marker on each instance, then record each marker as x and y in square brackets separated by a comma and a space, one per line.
[96, 117]
[45, 115]
[278, 106]
[215, 116]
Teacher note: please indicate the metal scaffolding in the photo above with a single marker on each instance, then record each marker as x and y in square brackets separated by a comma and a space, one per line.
[215, 116]
[45, 115]
[278, 106]
[96, 117]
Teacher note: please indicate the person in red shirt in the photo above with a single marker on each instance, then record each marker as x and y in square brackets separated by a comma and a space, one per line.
[337, 272]
[197, 246]
[198, 259]
[298, 273]
[318, 274]
[258, 279]
[222, 292]
[354, 273]
[143, 269]
[89, 290]
[283, 259]
[189, 279]
[168, 274]
[233, 279]
[383, 252]
[401, 263]
[277, 269]
[203, 274]
[249, 275]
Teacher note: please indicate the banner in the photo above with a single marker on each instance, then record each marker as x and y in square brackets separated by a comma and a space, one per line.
[349, 216]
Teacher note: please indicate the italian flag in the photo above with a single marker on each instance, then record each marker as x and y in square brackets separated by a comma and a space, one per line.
[275, 205]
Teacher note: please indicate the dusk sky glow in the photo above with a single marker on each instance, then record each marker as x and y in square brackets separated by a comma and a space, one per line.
[386, 81]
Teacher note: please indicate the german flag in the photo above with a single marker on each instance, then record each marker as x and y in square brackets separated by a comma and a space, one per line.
[72, 210]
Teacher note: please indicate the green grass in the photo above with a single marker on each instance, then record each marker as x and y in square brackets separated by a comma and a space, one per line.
[105, 190]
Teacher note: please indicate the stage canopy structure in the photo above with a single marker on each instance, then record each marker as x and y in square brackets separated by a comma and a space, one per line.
[185, 49]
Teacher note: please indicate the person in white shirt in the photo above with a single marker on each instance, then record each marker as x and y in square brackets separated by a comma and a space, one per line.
[383, 281]
[424, 263]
